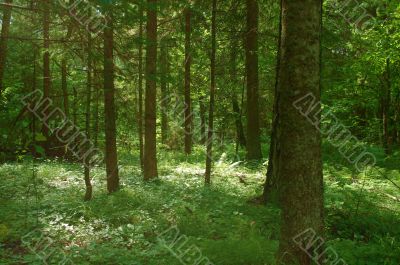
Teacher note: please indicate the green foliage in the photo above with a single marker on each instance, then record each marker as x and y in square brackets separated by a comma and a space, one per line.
[122, 228]
[362, 210]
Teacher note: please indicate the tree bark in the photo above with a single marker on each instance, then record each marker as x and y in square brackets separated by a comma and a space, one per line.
[164, 93]
[188, 100]
[64, 72]
[271, 181]
[109, 109]
[75, 106]
[88, 184]
[253, 120]
[241, 138]
[202, 107]
[396, 124]
[386, 108]
[97, 86]
[150, 148]
[299, 141]
[64, 86]
[3, 40]
[46, 59]
[212, 95]
[140, 88]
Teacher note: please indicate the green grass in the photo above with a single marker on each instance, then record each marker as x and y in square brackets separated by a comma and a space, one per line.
[362, 212]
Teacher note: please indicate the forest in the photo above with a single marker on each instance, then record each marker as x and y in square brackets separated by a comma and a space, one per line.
[200, 132]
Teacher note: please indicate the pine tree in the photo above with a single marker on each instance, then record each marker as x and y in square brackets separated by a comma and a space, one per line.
[150, 135]
[299, 152]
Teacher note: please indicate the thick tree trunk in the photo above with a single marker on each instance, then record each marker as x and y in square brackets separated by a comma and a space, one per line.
[150, 148]
[164, 93]
[46, 58]
[88, 184]
[109, 109]
[140, 88]
[253, 120]
[188, 100]
[212, 94]
[299, 141]
[4, 39]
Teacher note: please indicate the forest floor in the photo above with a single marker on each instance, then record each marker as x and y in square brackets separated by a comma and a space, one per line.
[44, 219]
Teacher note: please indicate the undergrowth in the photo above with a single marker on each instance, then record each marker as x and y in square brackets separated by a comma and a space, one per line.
[362, 212]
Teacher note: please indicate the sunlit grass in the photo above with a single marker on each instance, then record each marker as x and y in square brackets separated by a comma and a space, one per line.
[361, 212]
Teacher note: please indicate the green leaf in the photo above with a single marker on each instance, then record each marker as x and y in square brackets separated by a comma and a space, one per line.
[40, 137]
[39, 149]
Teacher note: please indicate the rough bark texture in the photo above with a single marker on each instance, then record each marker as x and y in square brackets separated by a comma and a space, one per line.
[188, 100]
[109, 109]
[150, 151]
[140, 92]
[212, 95]
[299, 142]
[3, 40]
[164, 93]
[253, 119]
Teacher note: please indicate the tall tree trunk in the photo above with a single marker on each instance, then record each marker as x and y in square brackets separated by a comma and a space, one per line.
[64, 72]
[34, 86]
[253, 120]
[188, 100]
[202, 120]
[164, 93]
[140, 88]
[241, 112]
[46, 58]
[64, 86]
[88, 184]
[271, 181]
[396, 121]
[299, 141]
[150, 148]
[386, 108]
[75, 105]
[240, 137]
[4, 39]
[212, 94]
[109, 108]
[97, 83]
